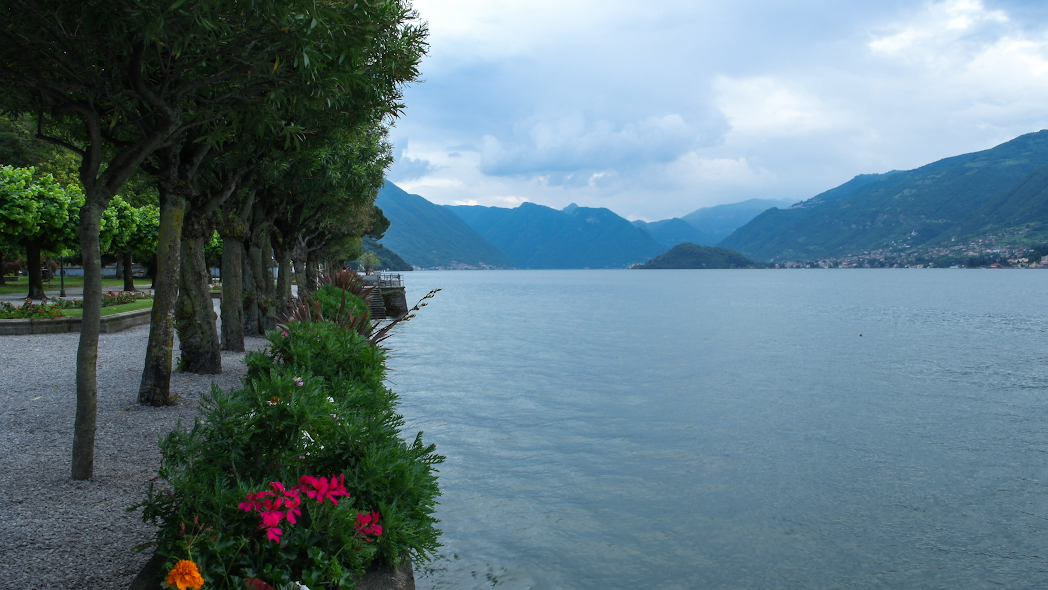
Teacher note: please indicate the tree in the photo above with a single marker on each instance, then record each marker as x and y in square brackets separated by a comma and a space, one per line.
[114, 82]
[351, 60]
[38, 214]
[369, 260]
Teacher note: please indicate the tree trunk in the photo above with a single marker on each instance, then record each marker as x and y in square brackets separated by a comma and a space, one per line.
[3, 281]
[258, 273]
[155, 389]
[269, 320]
[36, 279]
[232, 294]
[311, 273]
[129, 279]
[87, 351]
[283, 282]
[250, 303]
[195, 317]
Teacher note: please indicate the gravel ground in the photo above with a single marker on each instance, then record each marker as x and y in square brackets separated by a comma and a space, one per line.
[60, 533]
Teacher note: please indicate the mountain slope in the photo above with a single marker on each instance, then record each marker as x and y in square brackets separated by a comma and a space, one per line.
[535, 236]
[670, 232]
[1024, 206]
[901, 209]
[720, 220]
[428, 235]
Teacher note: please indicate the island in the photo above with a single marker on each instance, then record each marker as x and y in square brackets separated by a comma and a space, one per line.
[688, 255]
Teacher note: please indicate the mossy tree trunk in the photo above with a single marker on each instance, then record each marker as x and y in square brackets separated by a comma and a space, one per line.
[269, 321]
[232, 294]
[195, 318]
[283, 296]
[250, 301]
[311, 272]
[155, 388]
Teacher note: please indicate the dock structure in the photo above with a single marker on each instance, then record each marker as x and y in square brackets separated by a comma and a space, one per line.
[390, 299]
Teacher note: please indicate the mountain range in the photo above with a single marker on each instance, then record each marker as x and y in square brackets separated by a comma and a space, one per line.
[427, 235]
[1000, 192]
[430, 236]
[535, 236]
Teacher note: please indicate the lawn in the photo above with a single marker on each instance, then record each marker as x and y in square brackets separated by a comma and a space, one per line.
[140, 304]
[108, 284]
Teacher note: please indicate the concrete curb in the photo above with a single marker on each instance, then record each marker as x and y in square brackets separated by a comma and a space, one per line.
[109, 324]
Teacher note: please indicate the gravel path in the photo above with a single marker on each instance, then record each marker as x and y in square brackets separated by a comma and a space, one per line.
[60, 533]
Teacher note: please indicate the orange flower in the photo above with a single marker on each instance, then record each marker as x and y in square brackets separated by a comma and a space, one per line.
[185, 575]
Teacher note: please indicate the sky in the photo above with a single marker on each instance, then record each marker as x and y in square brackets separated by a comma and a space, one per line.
[656, 109]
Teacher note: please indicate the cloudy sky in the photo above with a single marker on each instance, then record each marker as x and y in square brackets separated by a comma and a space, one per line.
[656, 109]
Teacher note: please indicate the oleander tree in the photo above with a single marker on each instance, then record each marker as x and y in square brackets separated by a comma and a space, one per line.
[39, 215]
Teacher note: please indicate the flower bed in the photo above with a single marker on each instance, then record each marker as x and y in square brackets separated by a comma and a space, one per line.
[50, 309]
[300, 477]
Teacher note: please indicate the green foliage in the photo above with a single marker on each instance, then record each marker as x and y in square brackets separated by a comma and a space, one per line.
[314, 403]
[330, 299]
[370, 261]
[119, 226]
[213, 250]
[142, 241]
[688, 255]
[38, 209]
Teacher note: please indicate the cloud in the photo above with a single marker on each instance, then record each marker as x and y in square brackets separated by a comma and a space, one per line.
[767, 107]
[654, 110]
[408, 168]
[570, 146]
[941, 24]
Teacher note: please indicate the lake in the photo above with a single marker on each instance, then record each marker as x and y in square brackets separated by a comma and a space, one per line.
[808, 429]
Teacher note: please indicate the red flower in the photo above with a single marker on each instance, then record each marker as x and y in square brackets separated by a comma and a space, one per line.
[367, 524]
[323, 488]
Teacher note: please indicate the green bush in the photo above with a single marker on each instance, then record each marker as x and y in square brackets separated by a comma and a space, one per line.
[330, 299]
[313, 404]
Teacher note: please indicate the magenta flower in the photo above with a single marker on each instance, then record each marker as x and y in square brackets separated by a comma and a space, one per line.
[323, 488]
[367, 524]
[298, 381]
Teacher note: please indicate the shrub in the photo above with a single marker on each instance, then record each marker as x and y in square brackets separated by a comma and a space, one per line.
[313, 405]
[330, 299]
[30, 310]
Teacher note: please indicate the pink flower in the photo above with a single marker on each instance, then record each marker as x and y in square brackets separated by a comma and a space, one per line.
[291, 504]
[298, 381]
[367, 524]
[254, 502]
[284, 333]
[323, 488]
[273, 534]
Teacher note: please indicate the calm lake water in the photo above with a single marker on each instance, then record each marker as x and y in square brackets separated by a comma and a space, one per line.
[808, 429]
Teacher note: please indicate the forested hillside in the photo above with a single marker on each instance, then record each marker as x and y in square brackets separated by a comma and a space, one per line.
[1001, 189]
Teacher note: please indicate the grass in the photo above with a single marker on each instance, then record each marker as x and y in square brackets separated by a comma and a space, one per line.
[140, 304]
[108, 284]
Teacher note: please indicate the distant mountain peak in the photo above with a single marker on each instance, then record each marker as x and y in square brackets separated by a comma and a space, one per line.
[570, 209]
